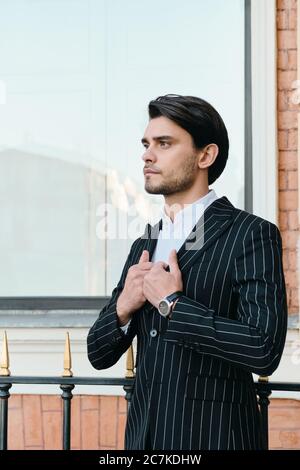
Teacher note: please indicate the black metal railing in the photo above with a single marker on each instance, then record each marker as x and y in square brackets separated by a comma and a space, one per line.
[264, 389]
[67, 384]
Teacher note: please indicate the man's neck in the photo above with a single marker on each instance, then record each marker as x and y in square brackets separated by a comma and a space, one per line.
[174, 203]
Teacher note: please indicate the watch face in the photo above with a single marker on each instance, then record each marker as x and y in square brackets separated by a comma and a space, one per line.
[163, 307]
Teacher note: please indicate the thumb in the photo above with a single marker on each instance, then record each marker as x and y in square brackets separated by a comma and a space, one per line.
[173, 263]
[144, 257]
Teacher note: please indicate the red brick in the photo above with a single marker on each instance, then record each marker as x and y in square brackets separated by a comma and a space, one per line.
[292, 23]
[285, 259]
[52, 425]
[295, 297]
[121, 431]
[293, 139]
[292, 179]
[282, 60]
[282, 179]
[108, 426]
[89, 402]
[282, 19]
[51, 403]
[122, 405]
[288, 160]
[289, 296]
[15, 401]
[288, 200]
[15, 436]
[290, 439]
[33, 420]
[287, 120]
[291, 280]
[275, 442]
[289, 239]
[293, 99]
[89, 429]
[292, 260]
[285, 418]
[76, 422]
[283, 220]
[286, 40]
[292, 60]
[286, 79]
[293, 222]
[286, 4]
[283, 403]
[283, 140]
[282, 100]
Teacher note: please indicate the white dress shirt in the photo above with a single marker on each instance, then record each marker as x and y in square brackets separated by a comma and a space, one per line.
[173, 234]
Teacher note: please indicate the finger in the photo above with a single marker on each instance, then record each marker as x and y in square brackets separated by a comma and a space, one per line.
[173, 262]
[160, 265]
[145, 266]
[144, 257]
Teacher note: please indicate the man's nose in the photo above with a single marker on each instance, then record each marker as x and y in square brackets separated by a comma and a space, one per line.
[149, 155]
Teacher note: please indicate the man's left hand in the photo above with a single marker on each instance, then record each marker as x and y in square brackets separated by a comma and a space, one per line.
[159, 283]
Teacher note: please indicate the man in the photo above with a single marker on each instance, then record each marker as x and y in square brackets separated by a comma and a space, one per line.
[203, 290]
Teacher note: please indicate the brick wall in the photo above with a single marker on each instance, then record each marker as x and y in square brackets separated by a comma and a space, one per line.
[35, 422]
[284, 424]
[287, 144]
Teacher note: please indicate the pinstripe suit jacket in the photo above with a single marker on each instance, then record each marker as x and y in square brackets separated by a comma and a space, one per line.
[194, 386]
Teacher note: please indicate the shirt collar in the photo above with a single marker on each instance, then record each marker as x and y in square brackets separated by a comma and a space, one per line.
[190, 212]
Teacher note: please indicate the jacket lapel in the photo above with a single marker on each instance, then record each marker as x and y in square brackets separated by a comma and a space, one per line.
[151, 235]
[214, 221]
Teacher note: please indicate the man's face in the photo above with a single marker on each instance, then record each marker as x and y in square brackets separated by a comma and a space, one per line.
[171, 163]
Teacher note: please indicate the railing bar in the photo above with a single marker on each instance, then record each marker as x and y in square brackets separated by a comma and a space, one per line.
[274, 386]
[4, 396]
[68, 380]
[66, 397]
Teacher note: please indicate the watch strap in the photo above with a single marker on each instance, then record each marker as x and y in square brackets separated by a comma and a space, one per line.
[174, 296]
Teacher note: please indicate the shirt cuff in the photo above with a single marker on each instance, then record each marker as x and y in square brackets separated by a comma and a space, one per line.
[124, 328]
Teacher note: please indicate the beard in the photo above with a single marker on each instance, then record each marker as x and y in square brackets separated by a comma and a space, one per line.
[176, 182]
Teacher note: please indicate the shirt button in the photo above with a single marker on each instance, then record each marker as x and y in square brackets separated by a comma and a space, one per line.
[153, 333]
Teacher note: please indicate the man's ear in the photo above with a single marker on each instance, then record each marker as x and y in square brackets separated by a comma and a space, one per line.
[207, 155]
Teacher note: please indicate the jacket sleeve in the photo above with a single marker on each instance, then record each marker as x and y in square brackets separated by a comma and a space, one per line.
[255, 337]
[106, 342]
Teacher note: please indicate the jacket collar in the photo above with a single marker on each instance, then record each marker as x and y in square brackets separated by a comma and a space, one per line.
[216, 218]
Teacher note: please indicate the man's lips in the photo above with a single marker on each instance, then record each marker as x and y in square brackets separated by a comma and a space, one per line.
[148, 171]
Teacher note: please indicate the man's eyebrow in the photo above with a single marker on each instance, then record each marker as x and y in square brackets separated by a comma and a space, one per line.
[159, 137]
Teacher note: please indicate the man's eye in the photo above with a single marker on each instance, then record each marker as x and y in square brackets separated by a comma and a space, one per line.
[164, 144]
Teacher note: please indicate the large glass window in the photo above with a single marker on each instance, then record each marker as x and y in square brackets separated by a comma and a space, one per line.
[75, 80]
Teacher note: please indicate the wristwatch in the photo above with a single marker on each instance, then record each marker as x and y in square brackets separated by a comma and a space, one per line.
[165, 305]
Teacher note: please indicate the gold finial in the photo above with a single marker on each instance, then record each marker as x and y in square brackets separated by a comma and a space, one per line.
[4, 364]
[67, 358]
[263, 378]
[129, 363]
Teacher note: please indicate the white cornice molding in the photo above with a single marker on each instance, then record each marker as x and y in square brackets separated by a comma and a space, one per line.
[264, 109]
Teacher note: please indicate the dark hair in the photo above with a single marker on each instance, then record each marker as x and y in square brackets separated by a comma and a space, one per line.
[200, 120]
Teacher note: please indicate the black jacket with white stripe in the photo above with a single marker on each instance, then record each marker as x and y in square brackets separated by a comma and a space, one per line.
[194, 387]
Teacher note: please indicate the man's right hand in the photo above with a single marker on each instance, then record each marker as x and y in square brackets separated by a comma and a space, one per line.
[132, 297]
